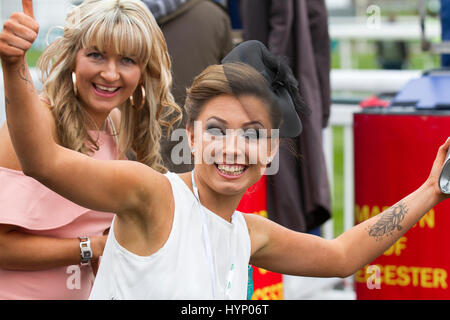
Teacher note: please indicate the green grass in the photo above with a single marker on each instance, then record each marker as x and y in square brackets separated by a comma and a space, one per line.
[368, 60]
[33, 56]
[337, 194]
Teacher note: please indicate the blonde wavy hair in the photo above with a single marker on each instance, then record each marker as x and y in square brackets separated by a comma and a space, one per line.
[129, 28]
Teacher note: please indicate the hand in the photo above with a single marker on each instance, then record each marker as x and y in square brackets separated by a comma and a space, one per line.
[437, 168]
[18, 34]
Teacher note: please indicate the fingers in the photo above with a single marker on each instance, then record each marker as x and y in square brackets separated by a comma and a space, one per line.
[442, 153]
[26, 21]
[444, 148]
[447, 143]
[6, 50]
[27, 6]
[15, 29]
[18, 34]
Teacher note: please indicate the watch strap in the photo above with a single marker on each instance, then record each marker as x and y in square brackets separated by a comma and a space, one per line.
[85, 250]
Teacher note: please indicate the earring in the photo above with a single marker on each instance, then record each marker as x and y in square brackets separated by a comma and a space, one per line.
[143, 96]
[193, 150]
[74, 82]
[269, 160]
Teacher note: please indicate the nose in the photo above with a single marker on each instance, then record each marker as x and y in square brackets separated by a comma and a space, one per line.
[234, 148]
[111, 72]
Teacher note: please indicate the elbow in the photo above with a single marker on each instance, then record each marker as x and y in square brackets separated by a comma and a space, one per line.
[38, 162]
[35, 171]
[32, 172]
[344, 263]
[38, 168]
[4, 251]
[347, 272]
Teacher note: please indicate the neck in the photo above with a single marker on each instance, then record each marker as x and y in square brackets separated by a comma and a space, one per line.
[222, 205]
[97, 121]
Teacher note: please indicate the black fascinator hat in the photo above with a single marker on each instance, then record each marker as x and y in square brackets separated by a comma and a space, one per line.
[281, 80]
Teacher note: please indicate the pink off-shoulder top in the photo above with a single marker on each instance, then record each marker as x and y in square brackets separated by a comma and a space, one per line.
[37, 210]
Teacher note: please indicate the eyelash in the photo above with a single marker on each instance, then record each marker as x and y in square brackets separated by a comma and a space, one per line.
[213, 131]
[128, 60]
[98, 56]
[95, 55]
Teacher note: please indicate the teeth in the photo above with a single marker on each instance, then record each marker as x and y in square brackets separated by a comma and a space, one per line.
[106, 88]
[231, 169]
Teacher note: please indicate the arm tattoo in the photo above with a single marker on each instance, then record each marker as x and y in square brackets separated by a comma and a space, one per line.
[389, 221]
[7, 102]
[23, 74]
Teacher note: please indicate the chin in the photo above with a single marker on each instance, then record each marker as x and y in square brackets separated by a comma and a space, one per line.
[235, 183]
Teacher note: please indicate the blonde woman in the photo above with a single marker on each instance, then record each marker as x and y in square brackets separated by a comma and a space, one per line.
[180, 236]
[106, 92]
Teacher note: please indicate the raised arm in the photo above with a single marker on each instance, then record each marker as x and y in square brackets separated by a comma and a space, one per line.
[279, 249]
[113, 186]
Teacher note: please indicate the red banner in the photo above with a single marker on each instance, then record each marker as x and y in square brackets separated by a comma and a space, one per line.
[393, 157]
[267, 285]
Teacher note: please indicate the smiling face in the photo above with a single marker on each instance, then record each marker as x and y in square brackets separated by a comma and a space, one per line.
[113, 46]
[104, 80]
[231, 137]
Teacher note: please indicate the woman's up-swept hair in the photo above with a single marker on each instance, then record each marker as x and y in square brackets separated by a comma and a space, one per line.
[234, 79]
[128, 27]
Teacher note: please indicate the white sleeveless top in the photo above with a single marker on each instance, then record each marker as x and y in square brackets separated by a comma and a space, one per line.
[180, 269]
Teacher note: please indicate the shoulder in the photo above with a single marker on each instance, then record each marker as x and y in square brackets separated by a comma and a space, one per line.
[181, 185]
[258, 229]
[213, 9]
[196, 9]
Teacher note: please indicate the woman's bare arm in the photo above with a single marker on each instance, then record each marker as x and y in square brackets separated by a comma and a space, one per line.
[279, 249]
[27, 252]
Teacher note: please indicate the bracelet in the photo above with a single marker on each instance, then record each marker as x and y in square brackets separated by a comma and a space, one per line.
[85, 251]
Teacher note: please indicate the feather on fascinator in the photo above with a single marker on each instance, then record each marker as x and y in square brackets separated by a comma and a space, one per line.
[280, 78]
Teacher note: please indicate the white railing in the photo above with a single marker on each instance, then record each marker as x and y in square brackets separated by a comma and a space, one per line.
[341, 116]
[349, 31]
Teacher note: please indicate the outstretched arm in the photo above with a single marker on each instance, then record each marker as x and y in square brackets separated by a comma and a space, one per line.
[279, 249]
[113, 186]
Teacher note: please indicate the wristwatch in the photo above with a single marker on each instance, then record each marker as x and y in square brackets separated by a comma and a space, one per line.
[85, 251]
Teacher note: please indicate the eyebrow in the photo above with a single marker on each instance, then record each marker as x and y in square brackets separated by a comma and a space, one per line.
[245, 124]
[92, 48]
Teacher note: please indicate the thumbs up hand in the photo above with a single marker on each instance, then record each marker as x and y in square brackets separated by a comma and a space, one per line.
[27, 6]
[18, 34]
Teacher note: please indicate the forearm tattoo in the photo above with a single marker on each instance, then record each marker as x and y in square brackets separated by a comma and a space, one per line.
[389, 221]
[23, 74]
